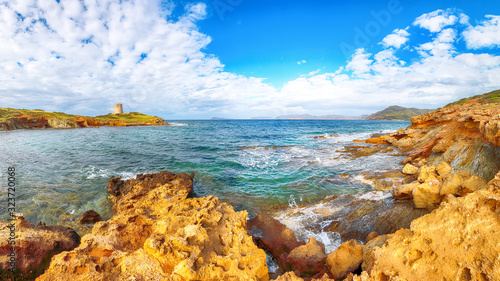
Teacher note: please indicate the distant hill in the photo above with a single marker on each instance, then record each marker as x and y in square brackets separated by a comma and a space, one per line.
[397, 113]
[314, 117]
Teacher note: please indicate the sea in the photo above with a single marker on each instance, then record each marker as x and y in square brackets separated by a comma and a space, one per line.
[261, 166]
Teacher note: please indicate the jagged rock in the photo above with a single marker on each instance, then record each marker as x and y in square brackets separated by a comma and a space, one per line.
[369, 250]
[452, 184]
[443, 169]
[409, 169]
[474, 183]
[272, 235]
[308, 259]
[458, 241]
[90, 216]
[427, 174]
[426, 195]
[405, 191]
[34, 247]
[345, 259]
[158, 233]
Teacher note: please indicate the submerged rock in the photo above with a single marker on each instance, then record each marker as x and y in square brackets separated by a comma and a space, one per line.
[158, 233]
[33, 247]
[90, 216]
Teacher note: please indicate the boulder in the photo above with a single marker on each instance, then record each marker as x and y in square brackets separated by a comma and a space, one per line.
[404, 191]
[160, 233]
[474, 183]
[33, 249]
[452, 184]
[426, 195]
[372, 235]
[90, 216]
[272, 236]
[443, 169]
[427, 174]
[308, 259]
[409, 169]
[345, 259]
[369, 250]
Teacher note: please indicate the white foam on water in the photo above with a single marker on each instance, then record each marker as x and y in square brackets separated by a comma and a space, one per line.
[178, 124]
[95, 172]
[272, 264]
[375, 195]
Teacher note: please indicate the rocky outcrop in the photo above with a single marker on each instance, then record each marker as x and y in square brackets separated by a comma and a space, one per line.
[467, 136]
[31, 247]
[458, 241]
[89, 217]
[308, 259]
[158, 233]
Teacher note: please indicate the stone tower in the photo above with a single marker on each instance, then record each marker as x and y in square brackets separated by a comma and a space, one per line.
[118, 108]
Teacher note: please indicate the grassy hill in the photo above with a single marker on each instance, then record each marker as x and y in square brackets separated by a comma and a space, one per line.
[491, 98]
[397, 113]
[11, 119]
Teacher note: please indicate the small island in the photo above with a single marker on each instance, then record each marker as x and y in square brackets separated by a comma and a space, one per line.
[13, 119]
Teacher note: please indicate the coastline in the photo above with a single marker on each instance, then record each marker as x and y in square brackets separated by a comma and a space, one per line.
[160, 231]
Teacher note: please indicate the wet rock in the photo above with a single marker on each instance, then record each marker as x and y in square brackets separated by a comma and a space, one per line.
[33, 248]
[345, 259]
[452, 184]
[409, 169]
[426, 195]
[404, 191]
[158, 233]
[458, 241]
[272, 235]
[308, 259]
[443, 169]
[90, 216]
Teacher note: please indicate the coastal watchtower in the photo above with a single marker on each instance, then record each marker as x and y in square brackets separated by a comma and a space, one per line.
[118, 108]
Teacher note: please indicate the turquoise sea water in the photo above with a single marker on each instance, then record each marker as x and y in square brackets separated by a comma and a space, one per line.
[252, 164]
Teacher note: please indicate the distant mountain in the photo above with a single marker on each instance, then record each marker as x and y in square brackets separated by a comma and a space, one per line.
[313, 117]
[397, 113]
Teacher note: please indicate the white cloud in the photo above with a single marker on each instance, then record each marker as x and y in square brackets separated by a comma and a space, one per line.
[486, 34]
[83, 59]
[359, 63]
[396, 39]
[437, 20]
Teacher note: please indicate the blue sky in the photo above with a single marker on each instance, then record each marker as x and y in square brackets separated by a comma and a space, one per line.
[245, 58]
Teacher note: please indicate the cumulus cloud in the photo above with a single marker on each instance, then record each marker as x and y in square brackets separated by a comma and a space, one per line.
[84, 56]
[486, 34]
[437, 20]
[396, 39]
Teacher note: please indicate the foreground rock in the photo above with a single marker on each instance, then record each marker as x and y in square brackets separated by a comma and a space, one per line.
[347, 258]
[307, 259]
[458, 241]
[160, 234]
[34, 247]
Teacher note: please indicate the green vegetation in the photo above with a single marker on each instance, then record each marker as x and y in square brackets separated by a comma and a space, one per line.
[397, 113]
[488, 98]
[132, 117]
[129, 118]
[6, 113]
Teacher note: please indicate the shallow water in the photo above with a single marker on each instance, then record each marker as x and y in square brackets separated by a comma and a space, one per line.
[255, 165]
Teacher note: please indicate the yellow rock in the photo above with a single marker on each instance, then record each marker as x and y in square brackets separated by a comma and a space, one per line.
[409, 169]
[426, 195]
[443, 169]
[427, 174]
[452, 184]
[345, 259]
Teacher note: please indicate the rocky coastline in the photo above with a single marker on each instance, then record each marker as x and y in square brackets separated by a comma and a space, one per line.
[448, 194]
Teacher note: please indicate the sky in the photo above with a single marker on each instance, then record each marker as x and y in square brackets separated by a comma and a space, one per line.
[188, 59]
